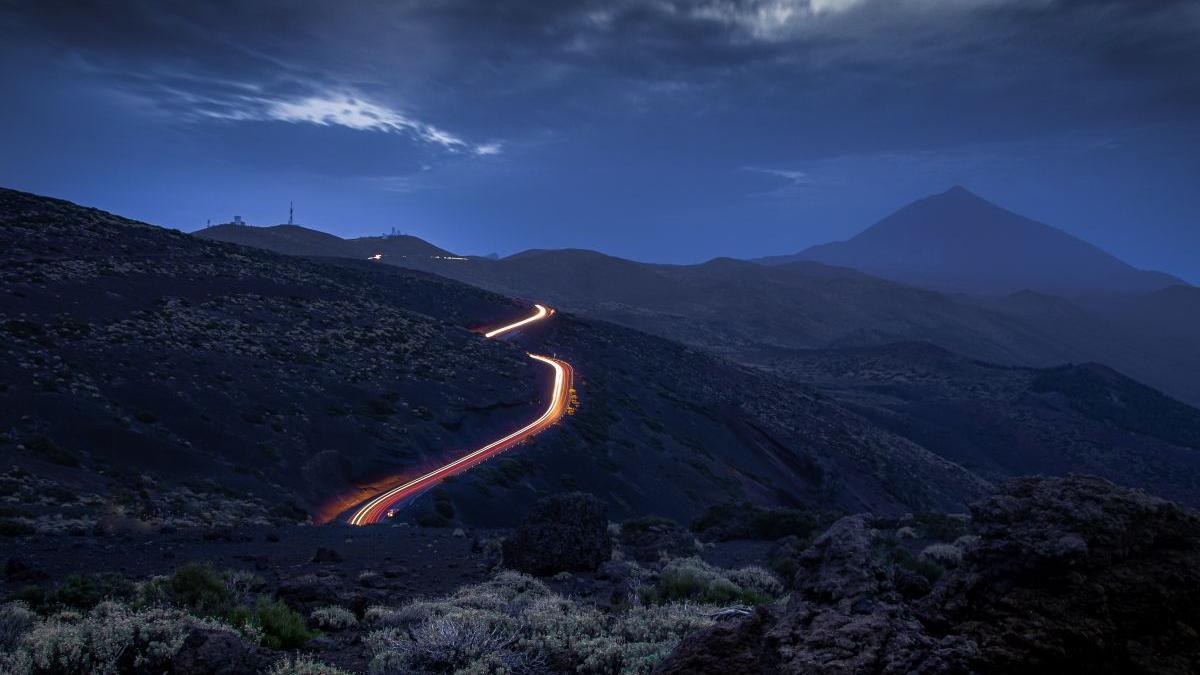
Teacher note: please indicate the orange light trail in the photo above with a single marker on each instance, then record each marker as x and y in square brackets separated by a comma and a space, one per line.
[560, 399]
[541, 313]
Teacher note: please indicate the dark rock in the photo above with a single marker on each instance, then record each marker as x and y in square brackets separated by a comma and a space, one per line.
[910, 584]
[1076, 575]
[724, 647]
[309, 590]
[562, 533]
[648, 539]
[327, 555]
[1069, 575]
[15, 570]
[216, 652]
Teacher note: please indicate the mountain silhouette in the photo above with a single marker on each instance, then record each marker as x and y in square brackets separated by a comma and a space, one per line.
[957, 241]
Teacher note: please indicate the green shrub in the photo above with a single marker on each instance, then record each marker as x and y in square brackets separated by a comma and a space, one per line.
[35, 596]
[282, 627]
[941, 526]
[896, 554]
[646, 523]
[84, 591]
[201, 589]
[747, 521]
[695, 580]
[51, 451]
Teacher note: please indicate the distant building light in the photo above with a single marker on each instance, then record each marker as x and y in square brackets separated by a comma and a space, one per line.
[377, 256]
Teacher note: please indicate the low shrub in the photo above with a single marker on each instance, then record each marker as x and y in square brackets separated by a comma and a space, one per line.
[110, 638]
[946, 555]
[282, 627]
[299, 664]
[333, 618]
[513, 623]
[51, 451]
[784, 558]
[942, 526]
[201, 589]
[695, 580]
[646, 523]
[894, 553]
[84, 591]
[15, 621]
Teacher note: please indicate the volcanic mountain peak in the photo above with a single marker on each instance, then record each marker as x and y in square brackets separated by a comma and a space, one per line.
[958, 241]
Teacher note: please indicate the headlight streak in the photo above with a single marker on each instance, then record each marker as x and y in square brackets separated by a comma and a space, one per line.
[380, 506]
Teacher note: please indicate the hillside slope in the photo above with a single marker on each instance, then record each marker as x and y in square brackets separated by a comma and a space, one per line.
[735, 308]
[300, 240]
[1002, 422]
[167, 378]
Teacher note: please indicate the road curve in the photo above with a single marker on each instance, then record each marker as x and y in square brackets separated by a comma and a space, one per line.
[541, 313]
[376, 509]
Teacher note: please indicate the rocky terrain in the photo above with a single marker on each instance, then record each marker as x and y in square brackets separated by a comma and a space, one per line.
[1058, 575]
[1047, 575]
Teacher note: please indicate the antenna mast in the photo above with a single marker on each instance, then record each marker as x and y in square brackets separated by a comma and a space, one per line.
[291, 213]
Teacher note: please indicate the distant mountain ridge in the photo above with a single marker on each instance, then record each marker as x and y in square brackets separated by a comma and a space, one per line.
[740, 308]
[957, 241]
[300, 240]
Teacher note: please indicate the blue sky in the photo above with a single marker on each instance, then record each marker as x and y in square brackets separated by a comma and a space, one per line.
[654, 129]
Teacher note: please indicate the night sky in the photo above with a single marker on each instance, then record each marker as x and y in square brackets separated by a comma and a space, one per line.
[654, 129]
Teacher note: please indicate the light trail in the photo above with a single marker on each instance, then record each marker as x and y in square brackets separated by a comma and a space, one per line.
[377, 508]
[541, 313]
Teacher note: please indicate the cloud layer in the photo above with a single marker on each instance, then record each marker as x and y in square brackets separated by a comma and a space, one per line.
[629, 117]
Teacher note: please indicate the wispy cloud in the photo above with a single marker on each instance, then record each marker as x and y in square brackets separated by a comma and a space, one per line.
[489, 149]
[346, 110]
[796, 179]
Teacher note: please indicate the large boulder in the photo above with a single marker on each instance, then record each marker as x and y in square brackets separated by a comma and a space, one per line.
[208, 651]
[1069, 575]
[650, 538]
[1076, 574]
[844, 616]
[562, 533]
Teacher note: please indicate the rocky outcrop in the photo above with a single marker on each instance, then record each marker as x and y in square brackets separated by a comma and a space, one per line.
[1068, 575]
[844, 616]
[562, 533]
[1077, 574]
[207, 651]
[649, 539]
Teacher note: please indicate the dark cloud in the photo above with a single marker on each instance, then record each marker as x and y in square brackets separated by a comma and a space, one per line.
[640, 104]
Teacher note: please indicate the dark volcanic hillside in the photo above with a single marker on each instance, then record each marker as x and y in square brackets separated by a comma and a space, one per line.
[298, 240]
[958, 242]
[1001, 421]
[736, 308]
[153, 375]
[731, 306]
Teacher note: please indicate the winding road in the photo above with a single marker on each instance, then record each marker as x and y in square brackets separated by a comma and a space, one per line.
[378, 508]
